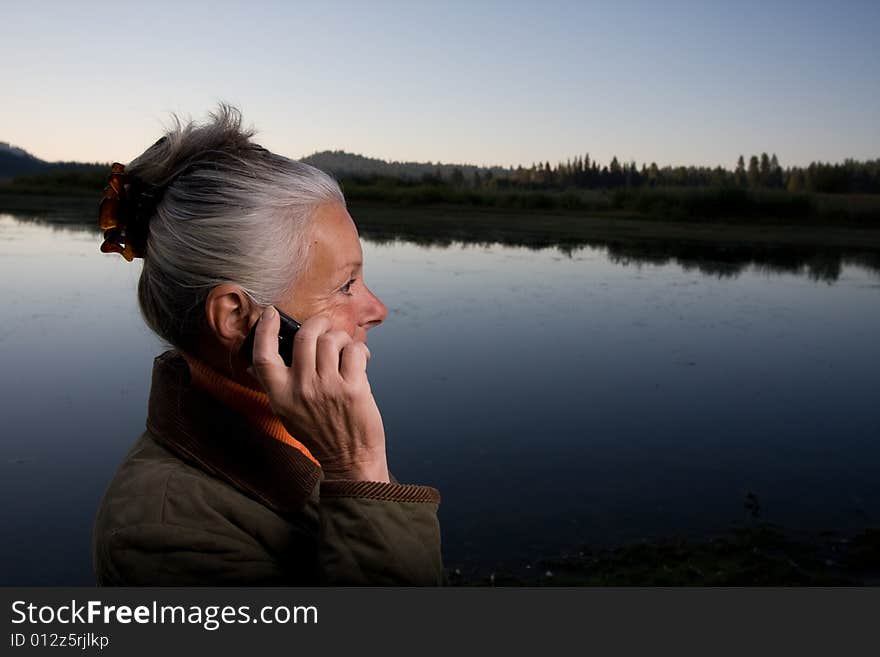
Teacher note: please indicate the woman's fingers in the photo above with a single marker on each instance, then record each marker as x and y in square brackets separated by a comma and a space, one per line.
[268, 365]
[329, 350]
[354, 361]
[305, 346]
[316, 351]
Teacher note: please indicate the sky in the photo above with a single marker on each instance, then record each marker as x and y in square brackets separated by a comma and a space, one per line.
[506, 83]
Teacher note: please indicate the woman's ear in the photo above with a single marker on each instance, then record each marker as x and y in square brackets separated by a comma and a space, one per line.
[228, 311]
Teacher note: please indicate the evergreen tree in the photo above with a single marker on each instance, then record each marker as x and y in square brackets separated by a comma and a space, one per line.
[775, 173]
[739, 175]
[765, 170]
[754, 174]
[615, 176]
[795, 181]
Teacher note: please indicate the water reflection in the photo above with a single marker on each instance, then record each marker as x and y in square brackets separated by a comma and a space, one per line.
[817, 262]
[727, 261]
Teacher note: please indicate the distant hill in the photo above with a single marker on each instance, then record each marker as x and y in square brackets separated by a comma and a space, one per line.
[342, 165]
[16, 161]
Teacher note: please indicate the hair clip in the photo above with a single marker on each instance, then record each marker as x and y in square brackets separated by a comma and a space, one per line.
[115, 215]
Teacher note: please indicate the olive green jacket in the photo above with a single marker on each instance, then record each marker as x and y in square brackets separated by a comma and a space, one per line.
[205, 498]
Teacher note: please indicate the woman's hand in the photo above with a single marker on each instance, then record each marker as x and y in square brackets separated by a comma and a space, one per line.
[324, 398]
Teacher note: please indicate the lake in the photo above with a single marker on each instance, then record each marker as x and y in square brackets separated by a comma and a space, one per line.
[555, 396]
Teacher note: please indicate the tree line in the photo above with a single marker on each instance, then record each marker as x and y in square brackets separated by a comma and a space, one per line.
[761, 172]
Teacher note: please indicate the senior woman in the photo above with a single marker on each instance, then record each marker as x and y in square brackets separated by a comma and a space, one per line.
[253, 473]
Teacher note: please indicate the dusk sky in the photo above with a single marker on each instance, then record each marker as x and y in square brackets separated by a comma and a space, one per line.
[472, 82]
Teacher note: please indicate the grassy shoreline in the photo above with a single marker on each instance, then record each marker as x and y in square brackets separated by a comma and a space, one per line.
[560, 227]
[760, 554]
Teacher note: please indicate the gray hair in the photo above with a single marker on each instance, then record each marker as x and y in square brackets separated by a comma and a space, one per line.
[230, 211]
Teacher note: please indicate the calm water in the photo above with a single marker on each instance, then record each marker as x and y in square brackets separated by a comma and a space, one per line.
[554, 397]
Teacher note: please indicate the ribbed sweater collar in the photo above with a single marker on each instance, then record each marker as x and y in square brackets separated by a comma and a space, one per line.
[252, 404]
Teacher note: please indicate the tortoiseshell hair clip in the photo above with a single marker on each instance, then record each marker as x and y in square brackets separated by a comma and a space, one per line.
[118, 216]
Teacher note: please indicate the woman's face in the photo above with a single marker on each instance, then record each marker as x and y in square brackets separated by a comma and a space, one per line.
[332, 283]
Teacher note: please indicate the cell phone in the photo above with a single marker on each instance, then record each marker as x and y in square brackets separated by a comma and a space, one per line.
[289, 327]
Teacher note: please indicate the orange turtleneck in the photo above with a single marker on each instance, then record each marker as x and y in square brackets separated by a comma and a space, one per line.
[251, 403]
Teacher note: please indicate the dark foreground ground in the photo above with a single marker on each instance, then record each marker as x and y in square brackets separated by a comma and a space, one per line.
[757, 555]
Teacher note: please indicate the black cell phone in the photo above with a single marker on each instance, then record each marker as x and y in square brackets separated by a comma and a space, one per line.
[289, 327]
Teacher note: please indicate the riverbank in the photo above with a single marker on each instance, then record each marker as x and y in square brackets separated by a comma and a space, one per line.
[546, 227]
[702, 206]
[756, 555]
[78, 209]
[696, 204]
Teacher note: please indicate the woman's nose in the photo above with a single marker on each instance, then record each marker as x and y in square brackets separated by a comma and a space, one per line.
[376, 312]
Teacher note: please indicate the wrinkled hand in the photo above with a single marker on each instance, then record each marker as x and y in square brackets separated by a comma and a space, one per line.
[324, 398]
